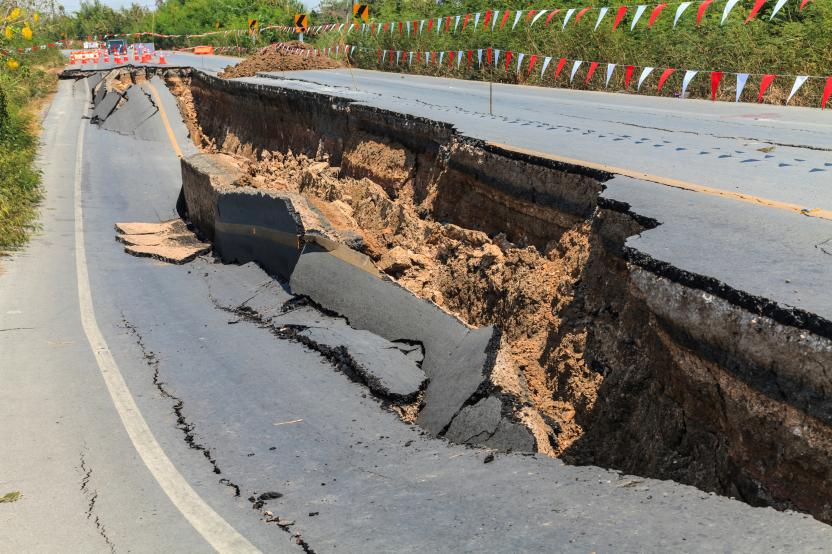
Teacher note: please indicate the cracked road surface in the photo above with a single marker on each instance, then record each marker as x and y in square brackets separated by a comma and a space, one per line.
[288, 452]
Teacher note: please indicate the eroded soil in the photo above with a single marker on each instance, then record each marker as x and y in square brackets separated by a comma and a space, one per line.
[273, 58]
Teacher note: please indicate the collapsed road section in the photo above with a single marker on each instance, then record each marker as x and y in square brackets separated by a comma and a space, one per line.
[541, 330]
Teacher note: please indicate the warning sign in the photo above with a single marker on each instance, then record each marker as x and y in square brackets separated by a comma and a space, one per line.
[301, 22]
[253, 25]
[361, 11]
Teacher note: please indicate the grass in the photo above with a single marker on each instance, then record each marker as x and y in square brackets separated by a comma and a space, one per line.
[22, 93]
[9, 497]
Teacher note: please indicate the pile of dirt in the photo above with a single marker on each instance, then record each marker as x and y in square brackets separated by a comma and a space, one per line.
[275, 58]
[481, 280]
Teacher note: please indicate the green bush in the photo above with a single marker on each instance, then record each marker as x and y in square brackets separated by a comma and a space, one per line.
[19, 179]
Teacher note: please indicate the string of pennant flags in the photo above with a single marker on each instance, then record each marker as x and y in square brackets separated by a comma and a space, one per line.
[499, 19]
[29, 49]
[491, 20]
[554, 67]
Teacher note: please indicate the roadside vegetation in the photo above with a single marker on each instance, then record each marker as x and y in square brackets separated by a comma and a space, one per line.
[25, 80]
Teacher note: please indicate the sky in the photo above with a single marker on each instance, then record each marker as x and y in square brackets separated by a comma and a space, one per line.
[73, 5]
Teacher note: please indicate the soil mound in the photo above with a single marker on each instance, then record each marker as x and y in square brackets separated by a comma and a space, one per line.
[271, 58]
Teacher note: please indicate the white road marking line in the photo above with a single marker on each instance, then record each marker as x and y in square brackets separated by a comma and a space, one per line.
[213, 528]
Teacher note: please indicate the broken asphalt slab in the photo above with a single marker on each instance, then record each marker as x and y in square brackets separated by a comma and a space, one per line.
[387, 368]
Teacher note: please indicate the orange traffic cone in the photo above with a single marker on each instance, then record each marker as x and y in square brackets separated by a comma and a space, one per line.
[162, 60]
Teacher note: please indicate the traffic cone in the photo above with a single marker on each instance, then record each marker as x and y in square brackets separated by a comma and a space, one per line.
[162, 58]
[106, 59]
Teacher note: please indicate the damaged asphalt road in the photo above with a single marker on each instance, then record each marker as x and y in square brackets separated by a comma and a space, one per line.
[329, 468]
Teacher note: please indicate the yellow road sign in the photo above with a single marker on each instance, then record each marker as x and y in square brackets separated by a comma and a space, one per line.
[301, 22]
[253, 25]
[361, 11]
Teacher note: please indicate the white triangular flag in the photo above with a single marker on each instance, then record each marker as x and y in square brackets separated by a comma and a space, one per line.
[679, 11]
[610, 69]
[546, 61]
[637, 16]
[476, 20]
[796, 86]
[575, 67]
[517, 18]
[496, 56]
[383, 55]
[494, 20]
[458, 58]
[567, 16]
[519, 61]
[741, 79]
[456, 24]
[479, 57]
[777, 8]
[398, 53]
[411, 59]
[728, 7]
[441, 57]
[537, 16]
[689, 75]
[407, 26]
[601, 14]
[421, 26]
[438, 24]
[644, 74]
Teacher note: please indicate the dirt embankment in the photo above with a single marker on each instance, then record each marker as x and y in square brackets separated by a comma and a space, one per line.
[273, 58]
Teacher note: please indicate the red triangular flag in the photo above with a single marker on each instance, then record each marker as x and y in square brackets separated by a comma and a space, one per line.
[628, 75]
[551, 15]
[656, 11]
[619, 16]
[754, 10]
[509, 54]
[401, 27]
[581, 14]
[702, 7]
[827, 92]
[379, 56]
[716, 77]
[505, 18]
[803, 4]
[448, 24]
[531, 63]
[592, 67]
[470, 52]
[561, 63]
[451, 58]
[415, 26]
[665, 74]
[430, 24]
[766, 82]
[464, 22]
[487, 19]
[530, 14]
[488, 55]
